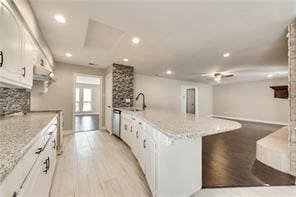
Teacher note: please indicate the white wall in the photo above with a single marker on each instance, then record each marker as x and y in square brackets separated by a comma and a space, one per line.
[60, 93]
[251, 100]
[166, 93]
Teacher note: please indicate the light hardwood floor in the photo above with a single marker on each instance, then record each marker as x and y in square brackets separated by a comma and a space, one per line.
[96, 164]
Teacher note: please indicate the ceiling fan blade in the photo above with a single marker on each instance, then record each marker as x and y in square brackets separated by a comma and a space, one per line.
[230, 75]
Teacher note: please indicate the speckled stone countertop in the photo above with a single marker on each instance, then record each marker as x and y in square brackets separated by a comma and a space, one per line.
[17, 134]
[178, 125]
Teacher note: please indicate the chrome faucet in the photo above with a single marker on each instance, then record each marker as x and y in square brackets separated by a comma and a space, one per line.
[137, 98]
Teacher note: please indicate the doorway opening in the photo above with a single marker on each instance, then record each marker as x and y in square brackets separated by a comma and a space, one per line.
[87, 102]
[189, 100]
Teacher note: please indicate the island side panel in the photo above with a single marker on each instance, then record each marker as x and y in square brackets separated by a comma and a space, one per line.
[179, 166]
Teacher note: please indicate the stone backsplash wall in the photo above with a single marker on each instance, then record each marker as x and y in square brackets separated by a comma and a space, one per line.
[123, 85]
[14, 100]
[292, 99]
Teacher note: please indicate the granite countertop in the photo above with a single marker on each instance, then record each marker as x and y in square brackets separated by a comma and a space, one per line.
[17, 134]
[178, 125]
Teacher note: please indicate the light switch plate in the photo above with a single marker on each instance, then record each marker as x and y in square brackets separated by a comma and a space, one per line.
[127, 100]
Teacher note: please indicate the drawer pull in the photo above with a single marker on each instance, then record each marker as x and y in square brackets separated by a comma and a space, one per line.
[39, 150]
[140, 123]
[54, 144]
[125, 127]
[24, 71]
[137, 134]
[144, 143]
[1, 58]
[47, 165]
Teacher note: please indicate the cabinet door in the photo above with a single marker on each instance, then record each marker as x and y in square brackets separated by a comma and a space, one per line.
[149, 152]
[39, 180]
[124, 130]
[141, 147]
[28, 59]
[10, 35]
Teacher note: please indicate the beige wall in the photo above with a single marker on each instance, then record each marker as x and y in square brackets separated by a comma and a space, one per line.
[167, 94]
[251, 100]
[60, 93]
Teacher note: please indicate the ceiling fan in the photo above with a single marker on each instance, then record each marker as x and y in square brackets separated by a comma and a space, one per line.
[219, 76]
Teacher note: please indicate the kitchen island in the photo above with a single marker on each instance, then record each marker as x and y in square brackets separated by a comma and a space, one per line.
[168, 146]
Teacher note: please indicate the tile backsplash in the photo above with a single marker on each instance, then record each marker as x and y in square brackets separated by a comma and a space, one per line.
[14, 100]
[123, 85]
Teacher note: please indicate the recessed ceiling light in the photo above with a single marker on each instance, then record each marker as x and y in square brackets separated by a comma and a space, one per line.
[60, 18]
[269, 75]
[226, 54]
[169, 72]
[68, 54]
[125, 59]
[136, 40]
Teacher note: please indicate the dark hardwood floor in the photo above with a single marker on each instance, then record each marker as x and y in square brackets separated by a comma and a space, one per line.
[86, 123]
[229, 159]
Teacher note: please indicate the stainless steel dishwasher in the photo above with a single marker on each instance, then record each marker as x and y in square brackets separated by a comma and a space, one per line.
[116, 122]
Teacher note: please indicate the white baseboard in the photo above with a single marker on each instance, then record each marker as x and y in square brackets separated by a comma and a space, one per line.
[251, 120]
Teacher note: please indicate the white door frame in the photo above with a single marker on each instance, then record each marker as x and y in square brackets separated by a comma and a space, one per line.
[74, 95]
[184, 98]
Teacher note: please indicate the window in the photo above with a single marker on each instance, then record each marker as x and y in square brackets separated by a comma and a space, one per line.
[77, 98]
[87, 99]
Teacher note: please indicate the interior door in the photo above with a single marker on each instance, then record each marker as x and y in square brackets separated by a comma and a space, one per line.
[108, 102]
[190, 100]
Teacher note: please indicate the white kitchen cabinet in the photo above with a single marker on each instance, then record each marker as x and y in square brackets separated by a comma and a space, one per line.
[28, 59]
[18, 51]
[10, 47]
[149, 157]
[125, 129]
[38, 182]
[33, 174]
[170, 169]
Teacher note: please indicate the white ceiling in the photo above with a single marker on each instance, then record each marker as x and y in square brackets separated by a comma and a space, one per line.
[185, 37]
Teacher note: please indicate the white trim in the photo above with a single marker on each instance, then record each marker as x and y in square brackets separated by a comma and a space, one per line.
[251, 120]
[101, 77]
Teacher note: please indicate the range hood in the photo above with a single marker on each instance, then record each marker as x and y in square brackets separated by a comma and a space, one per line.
[43, 74]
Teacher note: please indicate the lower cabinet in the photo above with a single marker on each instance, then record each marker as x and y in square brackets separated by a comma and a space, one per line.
[38, 183]
[149, 159]
[134, 133]
[33, 174]
[170, 166]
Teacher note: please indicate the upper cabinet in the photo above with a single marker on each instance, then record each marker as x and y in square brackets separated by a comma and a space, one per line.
[10, 46]
[18, 52]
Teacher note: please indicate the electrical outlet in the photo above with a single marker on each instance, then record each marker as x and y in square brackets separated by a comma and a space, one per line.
[127, 100]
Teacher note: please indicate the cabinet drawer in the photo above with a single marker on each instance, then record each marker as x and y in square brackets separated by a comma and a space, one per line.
[33, 153]
[38, 182]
